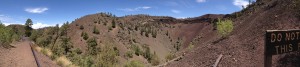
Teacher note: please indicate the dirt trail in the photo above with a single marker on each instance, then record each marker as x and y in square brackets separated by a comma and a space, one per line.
[20, 56]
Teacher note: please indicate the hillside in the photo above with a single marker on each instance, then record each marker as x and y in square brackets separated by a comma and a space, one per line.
[105, 40]
[163, 35]
[151, 40]
[245, 45]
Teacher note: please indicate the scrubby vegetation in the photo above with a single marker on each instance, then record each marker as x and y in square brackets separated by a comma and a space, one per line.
[134, 64]
[113, 24]
[7, 36]
[152, 58]
[224, 27]
[129, 54]
[96, 31]
[170, 56]
[136, 49]
[96, 49]
[84, 35]
[81, 27]
[92, 46]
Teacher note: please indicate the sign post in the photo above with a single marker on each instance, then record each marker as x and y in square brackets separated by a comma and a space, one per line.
[279, 42]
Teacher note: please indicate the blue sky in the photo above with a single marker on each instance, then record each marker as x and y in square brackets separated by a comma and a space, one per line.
[51, 12]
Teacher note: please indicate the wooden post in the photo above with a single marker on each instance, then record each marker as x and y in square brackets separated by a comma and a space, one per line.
[268, 59]
[267, 54]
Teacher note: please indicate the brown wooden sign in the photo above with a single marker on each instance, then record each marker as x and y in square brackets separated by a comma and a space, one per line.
[279, 42]
[282, 41]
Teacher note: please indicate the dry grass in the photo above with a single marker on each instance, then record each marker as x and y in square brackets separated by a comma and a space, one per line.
[62, 60]
[45, 51]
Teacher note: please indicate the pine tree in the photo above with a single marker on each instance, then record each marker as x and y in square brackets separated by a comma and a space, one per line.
[28, 28]
[113, 24]
[96, 31]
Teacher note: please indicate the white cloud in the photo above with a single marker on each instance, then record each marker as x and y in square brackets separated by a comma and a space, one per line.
[34, 26]
[40, 25]
[6, 24]
[4, 19]
[181, 17]
[200, 1]
[36, 10]
[146, 7]
[135, 9]
[176, 11]
[240, 3]
[7, 20]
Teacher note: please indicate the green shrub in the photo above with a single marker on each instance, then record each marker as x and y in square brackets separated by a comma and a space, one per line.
[177, 46]
[147, 53]
[88, 62]
[58, 51]
[104, 23]
[147, 34]
[60, 63]
[16, 37]
[191, 46]
[113, 24]
[167, 33]
[35, 34]
[44, 51]
[66, 45]
[154, 60]
[134, 64]
[53, 57]
[170, 56]
[85, 35]
[5, 36]
[96, 31]
[107, 57]
[109, 28]
[77, 51]
[117, 51]
[136, 28]
[81, 27]
[92, 43]
[43, 41]
[136, 49]
[154, 33]
[63, 29]
[129, 54]
[224, 27]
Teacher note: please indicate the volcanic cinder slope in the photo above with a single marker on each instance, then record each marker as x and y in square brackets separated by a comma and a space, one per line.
[244, 47]
[194, 40]
[132, 30]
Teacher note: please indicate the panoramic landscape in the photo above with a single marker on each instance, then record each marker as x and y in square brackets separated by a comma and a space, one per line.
[149, 33]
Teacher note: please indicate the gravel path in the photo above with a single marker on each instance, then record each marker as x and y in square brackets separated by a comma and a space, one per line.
[21, 56]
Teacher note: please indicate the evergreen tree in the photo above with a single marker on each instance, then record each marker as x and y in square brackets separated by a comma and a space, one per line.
[92, 49]
[113, 24]
[28, 28]
[96, 31]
